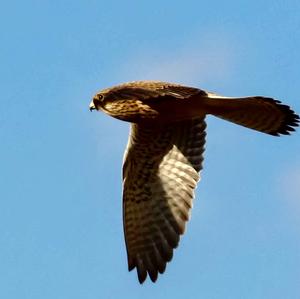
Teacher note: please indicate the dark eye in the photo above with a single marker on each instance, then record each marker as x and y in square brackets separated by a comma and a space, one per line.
[98, 98]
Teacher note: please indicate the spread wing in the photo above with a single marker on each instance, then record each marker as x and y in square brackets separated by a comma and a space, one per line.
[160, 174]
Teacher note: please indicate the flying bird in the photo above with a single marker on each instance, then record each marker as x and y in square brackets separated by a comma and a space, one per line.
[164, 156]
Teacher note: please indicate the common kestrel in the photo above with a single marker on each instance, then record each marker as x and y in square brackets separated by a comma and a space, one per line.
[164, 156]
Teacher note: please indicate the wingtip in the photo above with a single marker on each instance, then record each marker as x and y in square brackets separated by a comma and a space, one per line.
[290, 122]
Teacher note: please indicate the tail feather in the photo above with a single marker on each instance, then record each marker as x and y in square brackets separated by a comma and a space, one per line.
[258, 113]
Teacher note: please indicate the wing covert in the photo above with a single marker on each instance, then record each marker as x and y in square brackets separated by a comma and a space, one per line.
[144, 90]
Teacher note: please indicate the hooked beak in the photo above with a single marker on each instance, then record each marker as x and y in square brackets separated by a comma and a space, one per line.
[92, 106]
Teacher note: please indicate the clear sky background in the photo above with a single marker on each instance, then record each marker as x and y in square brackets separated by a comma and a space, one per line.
[61, 234]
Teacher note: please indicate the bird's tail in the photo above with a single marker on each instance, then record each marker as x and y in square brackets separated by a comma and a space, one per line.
[259, 113]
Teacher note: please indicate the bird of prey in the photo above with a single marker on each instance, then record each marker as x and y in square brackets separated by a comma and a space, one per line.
[164, 156]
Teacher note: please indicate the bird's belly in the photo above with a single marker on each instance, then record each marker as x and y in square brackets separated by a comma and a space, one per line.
[156, 110]
[179, 110]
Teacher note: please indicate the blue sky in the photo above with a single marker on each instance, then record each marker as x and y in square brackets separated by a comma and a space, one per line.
[61, 230]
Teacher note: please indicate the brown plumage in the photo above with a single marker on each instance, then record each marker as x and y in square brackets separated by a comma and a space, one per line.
[164, 156]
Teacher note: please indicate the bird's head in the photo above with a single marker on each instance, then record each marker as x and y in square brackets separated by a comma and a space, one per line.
[97, 102]
[110, 103]
[125, 102]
